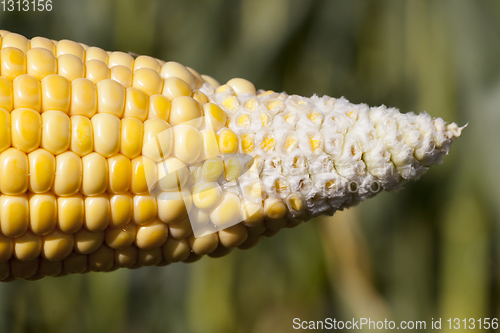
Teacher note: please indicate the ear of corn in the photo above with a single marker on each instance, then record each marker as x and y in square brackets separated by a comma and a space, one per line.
[110, 161]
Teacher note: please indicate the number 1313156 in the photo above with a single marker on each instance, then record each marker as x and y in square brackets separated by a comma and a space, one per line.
[26, 5]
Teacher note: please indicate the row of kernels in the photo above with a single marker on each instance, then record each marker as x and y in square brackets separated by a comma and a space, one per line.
[67, 173]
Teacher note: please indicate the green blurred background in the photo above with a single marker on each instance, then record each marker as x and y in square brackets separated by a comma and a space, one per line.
[429, 251]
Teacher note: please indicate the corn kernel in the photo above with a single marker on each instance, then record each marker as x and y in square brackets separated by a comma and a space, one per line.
[174, 205]
[70, 66]
[95, 174]
[241, 86]
[106, 129]
[42, 167]
[43, 43]
[82, 137]
[75, 263]
[197, 76]
[121, 59]
[110, 98]
[206, 194]
[101, 260]
[120, 173]
[27, 92]
[148, 81]
[175, 250]
[70, 213]
[253, 213]
[136, 104]
[138, 183]
[6, 94]
[56, 93]
[57, 245]
[159, 107]
[146, 62]
[65, 46]
[126, 257]
[13, 172]
[121, 237]
[4, 130]
[96, 53]
[28, 246]
[145, 209]
[121, 208]
[157, 139]
[181, 229]
[26, 129]
[233, 168]
[233, 236]
[97, 212]
[14, 215]
[56, 133]
[174, 69]
[228, 141]
[200, 97]
[274, 208]
[50, 268]
[23, 269]
[150, 257]
[215, 116]
[212, 168]
[68, 177]
[6, 248]
[151, 235]
[83, 98]
[43, 212]
[40, 63]
[205, 244]
[174, 87]
[188, 143]
[122, 75]
[96, 71]
[131, 137]
[13, 62]
[227, 211]
[172, 174]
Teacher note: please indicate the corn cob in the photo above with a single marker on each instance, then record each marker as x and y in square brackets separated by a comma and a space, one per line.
[110, 161]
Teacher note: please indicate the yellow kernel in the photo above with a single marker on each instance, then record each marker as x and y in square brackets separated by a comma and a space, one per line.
[210, 147]
[126, 257]
[68, 177]
[120, 173]
[228, 141]
[145, 209]
[121, 208]
[253, 213]
[65, 46]
[136, 104]
[4, 130]
[212, 168]
[96, 53]
[200, 97]
[110, 98]
[241, 86]
[274, 208]
[6, 94]
[148, 81]
[6, 248]
[28, 246]
[70, 213]
[96, 71]
[43, 43]
[206, 194]
[188, 143]
[227, 211]
[17, 41]
[56, 133]
[122, 75]
[216, 117]
[174, 205]
[27, 92]
[157, 139]
[151, 235]
[42, 167]
[26, 129]
[106, 130]
[205, 244]
[70, 66]
[13, 172]
[121, 59]
[131, 137]
[181, 229]
[210, 80]
[82, 138]
[159, 107]
[57, 245]
[101, 260]
[233, 236]
[14, 215]
[83, 98]
[197, 76]
[146, 62]
[186, 110]
[231, 103]
[121, 237]
[56, 93]
[87, 242]
[95, 174]
[40, 63]
[248, 143]
[175, 250]
[172, 174]
[138, 183]
[233, 168]
[174, 69]
[97, 212]
[13, 62]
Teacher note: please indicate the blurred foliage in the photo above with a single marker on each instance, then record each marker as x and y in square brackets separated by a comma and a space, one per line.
[429, 251]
